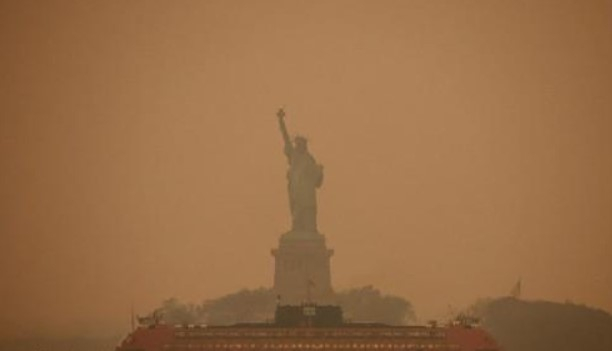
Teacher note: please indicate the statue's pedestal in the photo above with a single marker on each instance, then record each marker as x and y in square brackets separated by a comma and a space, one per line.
[302, 268]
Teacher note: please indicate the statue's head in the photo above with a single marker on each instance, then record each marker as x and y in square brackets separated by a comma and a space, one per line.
[301, 143]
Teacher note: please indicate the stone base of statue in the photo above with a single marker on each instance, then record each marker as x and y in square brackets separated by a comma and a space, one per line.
[302, 268]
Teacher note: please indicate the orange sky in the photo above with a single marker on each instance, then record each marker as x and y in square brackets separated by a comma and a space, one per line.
[465, 144]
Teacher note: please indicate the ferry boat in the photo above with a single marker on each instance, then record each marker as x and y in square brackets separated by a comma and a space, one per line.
[308, 327]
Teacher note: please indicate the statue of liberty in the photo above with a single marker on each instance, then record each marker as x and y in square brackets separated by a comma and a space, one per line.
[304, 176]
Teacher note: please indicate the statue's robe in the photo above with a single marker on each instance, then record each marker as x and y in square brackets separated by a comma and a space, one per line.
[304, 177]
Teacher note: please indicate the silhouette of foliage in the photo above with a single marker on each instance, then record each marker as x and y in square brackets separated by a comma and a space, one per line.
[365, 304]
[545, 326]
[243, 306]
[175, 312]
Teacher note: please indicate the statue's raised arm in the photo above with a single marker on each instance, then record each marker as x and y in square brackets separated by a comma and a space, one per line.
[281, 123]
